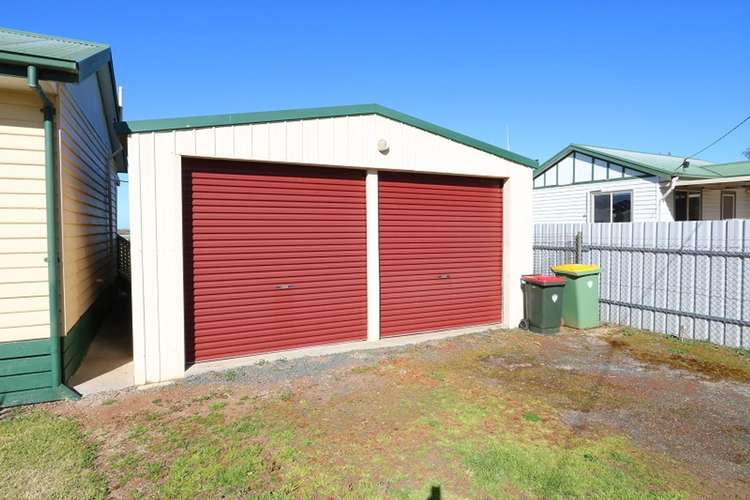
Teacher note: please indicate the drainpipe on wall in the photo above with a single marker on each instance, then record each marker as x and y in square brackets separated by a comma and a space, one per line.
[672, 185]
[50, 176]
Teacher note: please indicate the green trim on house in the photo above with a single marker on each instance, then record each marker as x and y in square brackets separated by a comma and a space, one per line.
[24, 348]
[58, 58]
[25, 365]
[573, 148]
[700, 167]
[34, 364]
[78, 339]
[41, 395]
[193, 122]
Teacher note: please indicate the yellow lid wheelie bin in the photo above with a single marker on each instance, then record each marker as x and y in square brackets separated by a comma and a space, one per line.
[580, 308]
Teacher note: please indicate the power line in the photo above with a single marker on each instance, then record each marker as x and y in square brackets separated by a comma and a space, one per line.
[720, 138]
[685, 160]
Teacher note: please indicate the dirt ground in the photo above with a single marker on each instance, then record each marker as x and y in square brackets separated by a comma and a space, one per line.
[496, 414]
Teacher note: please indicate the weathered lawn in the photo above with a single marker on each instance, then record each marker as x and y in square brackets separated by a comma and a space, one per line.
[503, 414]
[42, 455]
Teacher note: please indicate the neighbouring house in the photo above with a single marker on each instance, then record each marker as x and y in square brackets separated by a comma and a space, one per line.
[593, 184]
[259, 232]
[59, 155]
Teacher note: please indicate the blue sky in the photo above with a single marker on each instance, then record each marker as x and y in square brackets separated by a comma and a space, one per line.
[652, 76]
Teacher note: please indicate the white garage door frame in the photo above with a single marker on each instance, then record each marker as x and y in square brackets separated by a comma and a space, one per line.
[155, 163]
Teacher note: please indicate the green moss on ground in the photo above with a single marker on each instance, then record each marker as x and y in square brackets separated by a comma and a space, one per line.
[714, 361]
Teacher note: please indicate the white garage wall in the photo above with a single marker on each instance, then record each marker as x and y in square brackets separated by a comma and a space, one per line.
[156, 206]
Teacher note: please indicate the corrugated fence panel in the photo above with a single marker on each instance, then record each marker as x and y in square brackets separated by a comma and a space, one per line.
[688, 279]
[745, 290]
[717, 287]
[733, 297]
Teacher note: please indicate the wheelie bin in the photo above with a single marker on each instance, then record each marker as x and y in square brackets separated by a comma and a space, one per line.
[580, 295]
[543, 299]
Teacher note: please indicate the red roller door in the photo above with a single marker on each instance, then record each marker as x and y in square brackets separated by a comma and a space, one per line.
[275, 257]
[440, 252]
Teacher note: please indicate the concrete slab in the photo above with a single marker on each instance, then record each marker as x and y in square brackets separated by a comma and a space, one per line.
[322, 350]
[108, 364]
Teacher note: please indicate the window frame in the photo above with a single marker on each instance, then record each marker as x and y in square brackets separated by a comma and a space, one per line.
[690, 194]
[611, 194]
[733, 196]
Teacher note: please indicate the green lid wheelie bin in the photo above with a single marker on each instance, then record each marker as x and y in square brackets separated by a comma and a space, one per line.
[543, 297]
[580, 295]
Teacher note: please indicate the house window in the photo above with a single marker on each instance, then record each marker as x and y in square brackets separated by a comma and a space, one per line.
[613, 207]
[687, 205]
[728, 204]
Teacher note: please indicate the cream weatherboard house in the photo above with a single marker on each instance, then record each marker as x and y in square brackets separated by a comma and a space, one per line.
[592, 184]
[59, 155]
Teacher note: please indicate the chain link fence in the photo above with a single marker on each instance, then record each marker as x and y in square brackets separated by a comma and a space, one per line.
[687, 279]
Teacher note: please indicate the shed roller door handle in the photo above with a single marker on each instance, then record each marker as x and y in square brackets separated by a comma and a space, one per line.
[444, 276]
[283, 287]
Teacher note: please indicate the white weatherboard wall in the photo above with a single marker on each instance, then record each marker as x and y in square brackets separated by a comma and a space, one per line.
[710, 204]
[571, 203]
[156, 207]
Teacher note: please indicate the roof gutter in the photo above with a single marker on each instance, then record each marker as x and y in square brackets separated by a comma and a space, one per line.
[53, 262]
[39, 62]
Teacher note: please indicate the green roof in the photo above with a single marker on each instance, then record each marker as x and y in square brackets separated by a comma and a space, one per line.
[734, 169]
[660, 165]
[192, 122]
[57, 58]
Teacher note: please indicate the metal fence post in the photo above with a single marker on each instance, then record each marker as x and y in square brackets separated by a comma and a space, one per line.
[579, 247]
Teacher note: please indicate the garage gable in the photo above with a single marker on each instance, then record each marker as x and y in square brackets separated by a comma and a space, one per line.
[300, 121]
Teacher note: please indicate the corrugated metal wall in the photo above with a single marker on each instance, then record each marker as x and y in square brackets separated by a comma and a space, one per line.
[155, 162]
[440, 252]
[688, 279]
[275, 257]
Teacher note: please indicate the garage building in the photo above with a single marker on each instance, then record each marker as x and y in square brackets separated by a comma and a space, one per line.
[260, 232]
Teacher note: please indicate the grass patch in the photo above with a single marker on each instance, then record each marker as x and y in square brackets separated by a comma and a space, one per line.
[604, 469]
[714, 361]
[42, 455]
[532, 417]
[205, 456]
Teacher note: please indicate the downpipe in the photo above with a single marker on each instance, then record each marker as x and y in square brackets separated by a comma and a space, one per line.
[53, 260]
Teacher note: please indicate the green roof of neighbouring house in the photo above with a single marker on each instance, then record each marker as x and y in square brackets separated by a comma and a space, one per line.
[192, 122]
[660, 165]
[734, 169]
[57, 58]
